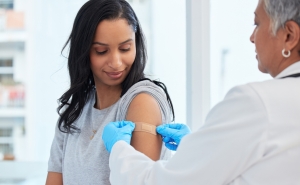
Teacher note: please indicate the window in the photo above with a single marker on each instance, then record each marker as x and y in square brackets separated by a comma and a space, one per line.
[6, 63]
[6, 149]
[6, 4]
[6, 132]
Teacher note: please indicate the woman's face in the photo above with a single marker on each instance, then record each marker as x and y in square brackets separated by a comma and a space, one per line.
[267, 46]
[113, 52]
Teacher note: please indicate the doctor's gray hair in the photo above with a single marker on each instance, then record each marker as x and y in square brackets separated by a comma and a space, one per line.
[281, 11]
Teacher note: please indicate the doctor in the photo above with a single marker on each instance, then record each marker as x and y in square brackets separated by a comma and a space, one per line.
[252, 137]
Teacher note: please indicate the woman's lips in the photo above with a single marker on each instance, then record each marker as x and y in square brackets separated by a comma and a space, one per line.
[114, 75]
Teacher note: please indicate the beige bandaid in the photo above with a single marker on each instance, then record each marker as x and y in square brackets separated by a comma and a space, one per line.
[145, 127]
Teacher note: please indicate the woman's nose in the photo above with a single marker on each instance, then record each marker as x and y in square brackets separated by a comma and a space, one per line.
[115, 62]
[252, 37]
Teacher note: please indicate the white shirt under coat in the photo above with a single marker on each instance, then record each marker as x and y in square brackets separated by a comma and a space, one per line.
[252, 137]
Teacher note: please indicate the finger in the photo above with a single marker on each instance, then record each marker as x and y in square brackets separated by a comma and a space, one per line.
[130, 123]
[167, 139]
[128, 128]
[109, 127]
[124, 123]
[171, 146]
[120, 124]
[176, 126]
[169, 132]
[115, 124]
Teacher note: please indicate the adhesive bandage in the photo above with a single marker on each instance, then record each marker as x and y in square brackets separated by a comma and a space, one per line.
[145, 127]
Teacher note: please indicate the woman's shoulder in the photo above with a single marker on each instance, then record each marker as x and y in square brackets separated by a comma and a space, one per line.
[144, 87]
[147, 87]
[145, 84]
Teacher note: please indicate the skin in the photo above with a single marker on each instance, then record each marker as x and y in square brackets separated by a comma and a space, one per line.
[112, 54]
[269, 47]
[144, 108]
[54, 178]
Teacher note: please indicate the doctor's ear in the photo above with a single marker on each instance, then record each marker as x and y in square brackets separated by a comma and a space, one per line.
[292, 38]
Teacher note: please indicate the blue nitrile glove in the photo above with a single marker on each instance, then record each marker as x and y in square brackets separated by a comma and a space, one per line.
[116, 131]
[172, 134]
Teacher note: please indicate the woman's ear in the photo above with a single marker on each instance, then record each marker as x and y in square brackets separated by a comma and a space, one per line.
[292, 40]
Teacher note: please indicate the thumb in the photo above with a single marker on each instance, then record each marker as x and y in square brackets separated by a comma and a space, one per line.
[128, 127]
[171, 146]
[120, 124]
[168, 132]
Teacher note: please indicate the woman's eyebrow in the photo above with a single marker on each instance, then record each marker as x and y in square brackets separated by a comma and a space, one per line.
[103, 44]
[99, 43]
[125, 41]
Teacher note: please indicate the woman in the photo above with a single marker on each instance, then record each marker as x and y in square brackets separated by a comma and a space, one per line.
[251, 137]
[106, 62]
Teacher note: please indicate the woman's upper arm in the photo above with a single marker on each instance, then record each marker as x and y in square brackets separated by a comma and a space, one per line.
[144, 108]
[54, 178]
[56, 159]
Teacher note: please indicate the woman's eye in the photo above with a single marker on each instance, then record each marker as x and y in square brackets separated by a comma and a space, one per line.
[101, 52]
[127, 49]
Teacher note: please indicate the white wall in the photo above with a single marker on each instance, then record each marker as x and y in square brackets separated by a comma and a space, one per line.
[168, 37]
[231, 26]
[19, 5]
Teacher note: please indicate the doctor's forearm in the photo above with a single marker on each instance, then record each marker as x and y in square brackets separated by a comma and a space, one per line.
[129, 167]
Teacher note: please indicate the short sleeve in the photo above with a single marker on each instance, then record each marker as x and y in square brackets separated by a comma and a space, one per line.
[56, 153]
[158, 94]
[145, 87]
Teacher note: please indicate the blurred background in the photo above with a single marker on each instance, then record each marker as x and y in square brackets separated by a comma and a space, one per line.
[33, 73]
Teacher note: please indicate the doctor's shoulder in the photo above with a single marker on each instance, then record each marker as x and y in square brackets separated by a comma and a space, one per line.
[262, 89]
[272, 98]
[278, 91]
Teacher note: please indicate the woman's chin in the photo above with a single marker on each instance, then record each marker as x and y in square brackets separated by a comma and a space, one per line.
[262, 69]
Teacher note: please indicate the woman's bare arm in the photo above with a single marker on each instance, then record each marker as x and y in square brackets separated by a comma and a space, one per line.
[144, 108]
[54, 178]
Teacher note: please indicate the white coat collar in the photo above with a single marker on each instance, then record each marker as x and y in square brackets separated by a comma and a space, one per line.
[292, 69]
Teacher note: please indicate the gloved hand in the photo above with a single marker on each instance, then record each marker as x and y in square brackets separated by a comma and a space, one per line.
[116, 131]
[172, 134]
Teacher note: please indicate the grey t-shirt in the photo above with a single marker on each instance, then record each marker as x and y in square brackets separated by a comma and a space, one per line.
[83, 160]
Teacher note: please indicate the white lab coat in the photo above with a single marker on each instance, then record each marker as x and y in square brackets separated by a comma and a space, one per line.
[252, 137]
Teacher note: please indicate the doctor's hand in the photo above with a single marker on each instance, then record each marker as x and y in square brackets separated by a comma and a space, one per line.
[172, 134]
[116, 131]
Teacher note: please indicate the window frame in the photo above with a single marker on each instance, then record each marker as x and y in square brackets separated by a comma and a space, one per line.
[198, 62]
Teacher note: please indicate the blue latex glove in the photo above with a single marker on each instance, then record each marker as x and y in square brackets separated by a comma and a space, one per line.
[172, 134]
[116, 131]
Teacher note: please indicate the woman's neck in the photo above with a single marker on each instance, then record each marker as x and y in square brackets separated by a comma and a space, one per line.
[284, 64]
[107, 95]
